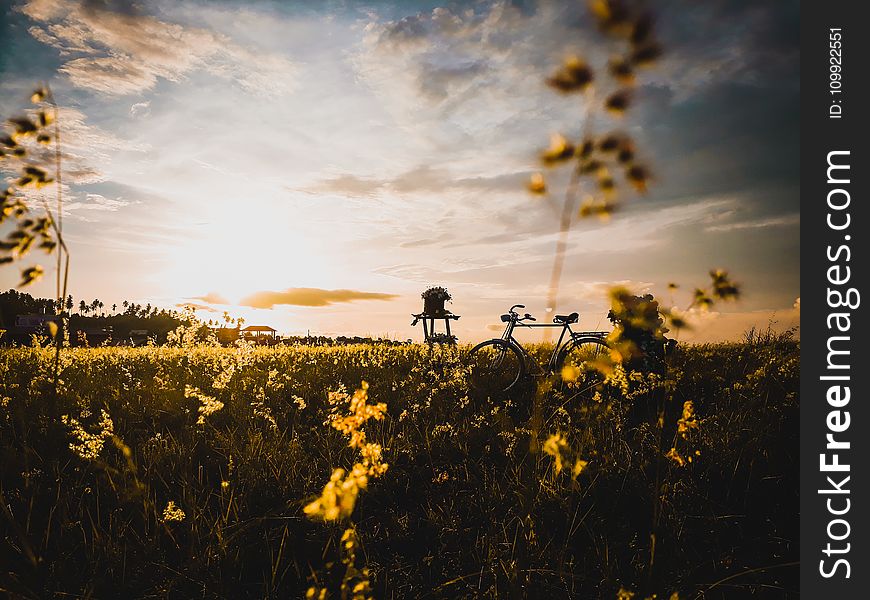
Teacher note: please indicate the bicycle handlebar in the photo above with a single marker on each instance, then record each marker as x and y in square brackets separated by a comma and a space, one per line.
[516, 316]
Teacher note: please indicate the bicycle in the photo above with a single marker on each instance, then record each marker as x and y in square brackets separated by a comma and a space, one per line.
[497, 365]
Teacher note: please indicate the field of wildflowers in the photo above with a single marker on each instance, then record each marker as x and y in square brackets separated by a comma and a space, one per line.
[251, 472]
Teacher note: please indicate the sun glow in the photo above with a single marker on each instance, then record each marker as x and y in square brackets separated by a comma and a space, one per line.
[229, 261]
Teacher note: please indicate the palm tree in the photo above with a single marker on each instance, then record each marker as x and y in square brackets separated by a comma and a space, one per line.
[114, 308]
[83, 308]
[100, 304]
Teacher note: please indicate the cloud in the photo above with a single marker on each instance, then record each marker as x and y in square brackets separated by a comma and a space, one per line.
[116, 49]
[781, 221]
[196, 306]
[348, 185]
[519, 249]
[83, 146]
[712, 326]
[309, 297]
[212, 298]
[83, 206]
[421, 179]
[453, 61]
[487, 62]
[96, 202]
[140, 109]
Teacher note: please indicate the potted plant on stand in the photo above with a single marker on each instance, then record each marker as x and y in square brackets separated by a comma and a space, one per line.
[433, 301]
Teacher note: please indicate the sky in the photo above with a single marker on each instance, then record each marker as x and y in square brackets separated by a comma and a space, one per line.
[315, 166]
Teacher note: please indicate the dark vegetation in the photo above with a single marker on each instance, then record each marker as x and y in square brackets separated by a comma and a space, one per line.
[87, 317]
[471, 505]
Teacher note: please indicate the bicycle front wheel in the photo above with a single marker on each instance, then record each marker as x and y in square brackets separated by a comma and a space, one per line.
[494, 366]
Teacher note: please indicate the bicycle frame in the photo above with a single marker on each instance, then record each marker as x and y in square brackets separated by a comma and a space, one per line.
[552, 363]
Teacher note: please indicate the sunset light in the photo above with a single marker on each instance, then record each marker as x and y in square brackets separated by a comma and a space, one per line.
[426, 299]
[387, 148]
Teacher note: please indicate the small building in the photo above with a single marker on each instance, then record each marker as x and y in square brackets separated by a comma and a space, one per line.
[262, 334]
[26, 326]
[92, 336]
[34, 323]
[139, 337]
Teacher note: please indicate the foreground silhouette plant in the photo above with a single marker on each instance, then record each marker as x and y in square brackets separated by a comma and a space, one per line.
[597, 159]
[638, 343]
[338, 499]
[18, 151]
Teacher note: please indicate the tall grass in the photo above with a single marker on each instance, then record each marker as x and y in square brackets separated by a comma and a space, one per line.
[466, 509]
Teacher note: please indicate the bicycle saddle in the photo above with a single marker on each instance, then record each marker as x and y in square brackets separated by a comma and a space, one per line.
[567, 319]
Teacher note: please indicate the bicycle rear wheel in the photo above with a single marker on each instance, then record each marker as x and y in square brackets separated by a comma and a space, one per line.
[494, 366]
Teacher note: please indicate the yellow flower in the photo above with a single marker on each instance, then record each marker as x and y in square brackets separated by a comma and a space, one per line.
[315, 593]
[560, 150]
[675, 456]
[570, 373]
[537, 184]
[338, 498]
[579, 465]
[172, 513]
[689, 420]
[89, 445]
[554, 446]
[207, 404]
[624, 594]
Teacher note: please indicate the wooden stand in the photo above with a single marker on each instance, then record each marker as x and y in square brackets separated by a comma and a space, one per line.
[429, 327]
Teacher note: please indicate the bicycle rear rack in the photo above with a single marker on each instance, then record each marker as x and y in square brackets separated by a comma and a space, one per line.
[598, 334]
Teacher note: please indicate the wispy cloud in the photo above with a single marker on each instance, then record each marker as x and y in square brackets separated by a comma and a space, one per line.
[87, 149]
[114, 48]
[781, 221]
[96, 202]
[419, 180]
[309, 297]
[140, 110]
[713, 326]
[197, 306]
[212, 298]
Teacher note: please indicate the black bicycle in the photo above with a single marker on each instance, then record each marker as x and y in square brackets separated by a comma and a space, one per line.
[498, 364]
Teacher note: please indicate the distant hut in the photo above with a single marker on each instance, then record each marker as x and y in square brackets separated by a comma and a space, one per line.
[262, 334]
[139, 337]
[29, 325]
